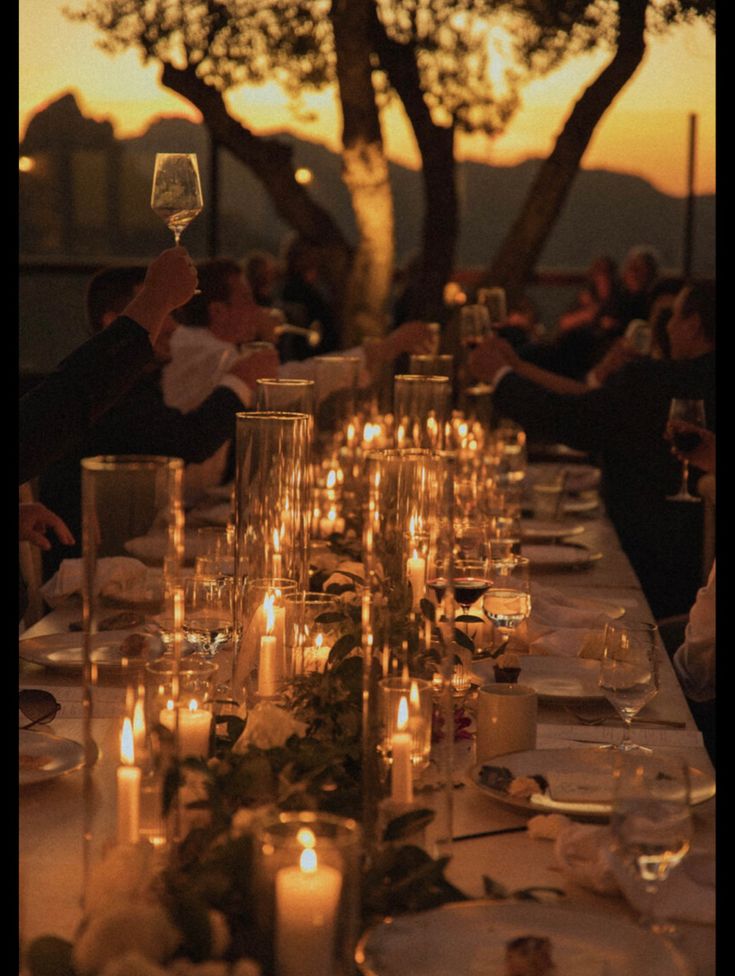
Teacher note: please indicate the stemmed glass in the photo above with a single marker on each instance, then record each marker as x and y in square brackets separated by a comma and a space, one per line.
[208, 613]
[508, 601]
[693, 412]
[652, 830]
[176, 195]
[629, 673]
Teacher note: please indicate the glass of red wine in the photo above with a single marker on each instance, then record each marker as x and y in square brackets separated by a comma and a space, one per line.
[691, 411]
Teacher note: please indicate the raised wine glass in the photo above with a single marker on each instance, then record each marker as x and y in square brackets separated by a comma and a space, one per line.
[176, 195]
[629, 673]
[651, 826]
[693, 412]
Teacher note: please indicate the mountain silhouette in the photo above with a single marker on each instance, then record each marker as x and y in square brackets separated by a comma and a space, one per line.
[605, 213]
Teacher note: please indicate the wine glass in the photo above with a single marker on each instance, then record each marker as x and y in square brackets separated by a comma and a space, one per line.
[176, 195]
[629, 672]
[208, 612]
[693, 412]
[507, 603]
[652, 830]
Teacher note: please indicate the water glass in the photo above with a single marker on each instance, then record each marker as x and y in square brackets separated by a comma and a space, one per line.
[629, 672]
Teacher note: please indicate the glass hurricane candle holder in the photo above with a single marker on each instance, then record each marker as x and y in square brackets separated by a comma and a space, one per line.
[440, 365]
[179, 703]
[261, 662]
[285, 395]
[421, 408]
[272, 488]
[314, 623]
[418, 695]
[336, 380]
[307, 880]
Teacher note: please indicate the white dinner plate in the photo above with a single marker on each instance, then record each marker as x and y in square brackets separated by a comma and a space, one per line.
[554, 679]
[43, 756]
[586, 502]
[580, 781]
[540, 530]
[581, 477]
[63, 652]
[561, 556]
[470, 939]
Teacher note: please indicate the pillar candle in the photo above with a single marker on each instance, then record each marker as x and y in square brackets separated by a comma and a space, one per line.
[307, 898]
[416, 570]
[128, 789]
[195, 725]
[401, 773]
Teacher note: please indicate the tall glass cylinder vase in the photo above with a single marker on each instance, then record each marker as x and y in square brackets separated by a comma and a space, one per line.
[132, 544]
[442, 364]
[421, 406]
[336, 379]
[286, 395]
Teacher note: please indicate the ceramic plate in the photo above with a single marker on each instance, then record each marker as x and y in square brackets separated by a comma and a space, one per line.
[570, 556]
[43, 756]
[585, 503]
[581, 477]
[63, 652]
[552, 678]
[470, 939]
[580, 781]
[540, 530]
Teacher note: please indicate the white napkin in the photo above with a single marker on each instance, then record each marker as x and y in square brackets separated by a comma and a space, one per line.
[114, 575]
[583, 852]
[552, 608]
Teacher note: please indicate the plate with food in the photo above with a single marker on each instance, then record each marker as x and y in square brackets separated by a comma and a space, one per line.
[539, 530]
[111, 650]
[554, 679]
[571, 555]
[493, 938]
[43, 756]
[576, 782]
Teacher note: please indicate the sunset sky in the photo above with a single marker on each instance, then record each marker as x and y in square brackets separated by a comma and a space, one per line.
[645, 132]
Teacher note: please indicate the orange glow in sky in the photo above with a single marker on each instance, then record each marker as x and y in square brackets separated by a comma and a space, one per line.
[645, 132]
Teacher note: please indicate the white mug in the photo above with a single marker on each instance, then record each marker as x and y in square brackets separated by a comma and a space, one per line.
[506, 720]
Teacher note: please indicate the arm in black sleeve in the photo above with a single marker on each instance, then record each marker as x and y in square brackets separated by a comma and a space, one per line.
[55, 415]
[197, 435]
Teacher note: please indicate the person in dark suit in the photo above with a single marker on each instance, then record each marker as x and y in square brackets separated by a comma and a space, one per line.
[55, 416]
[624, 422]
[139, 422]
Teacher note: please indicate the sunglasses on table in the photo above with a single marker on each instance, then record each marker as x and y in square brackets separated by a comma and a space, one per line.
[40, 707]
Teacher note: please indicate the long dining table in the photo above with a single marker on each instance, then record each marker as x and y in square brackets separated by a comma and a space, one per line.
[51, 813]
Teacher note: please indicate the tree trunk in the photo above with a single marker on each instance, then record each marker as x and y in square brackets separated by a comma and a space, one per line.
[436, 145]
[271, 161]
[365, 173]
[514, 263]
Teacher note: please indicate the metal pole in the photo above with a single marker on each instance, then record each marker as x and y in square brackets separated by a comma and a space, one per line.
[213, 204]
[689, 213]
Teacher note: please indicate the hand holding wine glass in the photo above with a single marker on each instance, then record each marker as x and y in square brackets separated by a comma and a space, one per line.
[693, 443]
[629, 672]
[176, 195]
[684, 440]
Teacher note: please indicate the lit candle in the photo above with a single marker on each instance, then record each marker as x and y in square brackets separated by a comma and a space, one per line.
[416, 570]
[268, 655]
[401, 776]
[316, 654]
[128, 789]
[277, 558]
[330, 524]
[139, 723]
[195, 725]
[307, 898]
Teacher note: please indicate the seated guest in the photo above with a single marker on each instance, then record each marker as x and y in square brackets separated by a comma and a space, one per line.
[140, 422]
[623, 421]
[57, 414]
[223, 318]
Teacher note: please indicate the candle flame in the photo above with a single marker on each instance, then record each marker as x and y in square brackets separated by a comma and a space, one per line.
[308, 862]
[139, 718]
[127, 747]
[332, 479]
[193, 705]
[319, 640]
[170, 705]
[276, 541]
[332, 514]
[270, 615]
[414, 695]
[306, 837]
[402, 723]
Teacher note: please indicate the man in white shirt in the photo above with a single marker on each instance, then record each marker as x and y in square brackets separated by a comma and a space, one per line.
[223, 318]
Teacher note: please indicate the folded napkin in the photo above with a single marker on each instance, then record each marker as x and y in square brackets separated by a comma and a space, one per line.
[115, 575]
[552, 608]
[584, 852]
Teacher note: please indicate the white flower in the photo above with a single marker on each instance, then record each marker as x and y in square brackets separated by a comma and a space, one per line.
[129, 925]
[268, 726]
[547, 826]
[132, 964]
